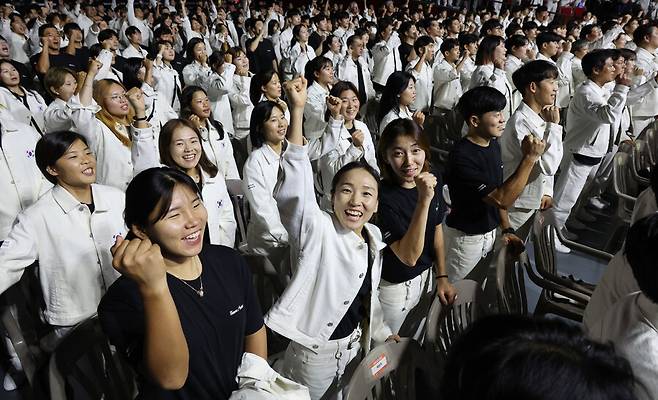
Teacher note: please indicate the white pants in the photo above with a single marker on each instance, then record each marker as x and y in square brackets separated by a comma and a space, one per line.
[317, 369]
[397, 299]
[569, 185]
[464, 251]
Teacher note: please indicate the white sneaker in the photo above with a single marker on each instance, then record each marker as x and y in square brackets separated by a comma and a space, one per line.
[598, 203]
[8, 383]
[561, 248]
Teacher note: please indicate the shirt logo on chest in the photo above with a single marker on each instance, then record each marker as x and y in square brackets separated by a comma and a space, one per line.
[29, 153]
[233, 312]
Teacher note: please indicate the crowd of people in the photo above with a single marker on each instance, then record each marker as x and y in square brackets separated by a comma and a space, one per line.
[129, 130]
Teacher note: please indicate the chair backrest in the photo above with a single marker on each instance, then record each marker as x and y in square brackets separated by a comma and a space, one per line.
[544, 245]
[510, 284]
[652, 143]
[83, 367]
[625, 186]
[240, 210]
[641, 158]
[390, 371]
[445, 323]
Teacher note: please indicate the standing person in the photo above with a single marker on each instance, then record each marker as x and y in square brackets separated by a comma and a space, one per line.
[197, 58]
[300, 51]
[320, 76]
[385, 54]
[347, 139]
[61, 84]
[517, 54]
[421, 69]
[260, 50]
[408, 35]
[646, 39]
[241, 104]
[411, 213]
[490, 70]
[468, 44]
[398, 95]
[341, 254]
[579, 48]
[119, 136]
[183, 313]
[538, 116]
[592, 114]
[474, 175]
[353, 69]
[180, 148]
[448, 89]
[195, 107]
[166, 79]
[332, 49]
[68, 231]
[25, 105]
[549, 47]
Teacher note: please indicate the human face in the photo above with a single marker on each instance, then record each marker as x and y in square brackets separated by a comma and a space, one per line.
[455, 26]
[303, 34]
[114, 42]
[355, 199]
[472, 48]
[452, 55]
[500, 51]
[180, 232]
[115, 101]
[185, 148]
[607, 73]
[241, 61]
[434, 29]
[386, 33]
[594, 34]
[322, 25]
[491, 124]
[4, 49]
[272, 89]
[653, 37]
[350, 105]
[620, 66]
[546, 91]
[200, 104]
[335, 45]
[67, 90]
[406, 158]
[620, 42]
[531, 34]
[136, 38]
[9, 75]
[408, 95]
[412, 33]
[199, 51]
[296, 20]
[53, 40]
[497, 31]
[357, 48]
[520, 52]
[168, 53]
[631, 26]
[275, 127]
[76, 168]
[326, 74]
[550, 49]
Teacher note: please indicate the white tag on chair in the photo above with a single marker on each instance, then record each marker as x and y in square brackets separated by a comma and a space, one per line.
[377, 367]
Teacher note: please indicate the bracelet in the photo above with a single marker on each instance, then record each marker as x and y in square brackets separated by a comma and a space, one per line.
[139, 118]
[509, 230]
[441, 276]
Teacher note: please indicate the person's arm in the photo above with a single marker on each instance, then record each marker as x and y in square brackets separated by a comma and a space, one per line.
[132, 19]
[148, 75]
[17, 252]
[418, 68]
[166, 355]
[446, 292]
[43, 62]
[256, 343]
[256, 41]
[144, 152]
[608, 112]
[505, 195]
[410, 247]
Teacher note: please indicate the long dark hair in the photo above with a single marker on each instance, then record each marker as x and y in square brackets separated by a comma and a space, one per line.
[151, 190]
[487, 48]
[189, 49]
[257, 82]
[130, 69]
[315, 65]
[261, 113]
[186, 108]
[396, 83]
[167, 133]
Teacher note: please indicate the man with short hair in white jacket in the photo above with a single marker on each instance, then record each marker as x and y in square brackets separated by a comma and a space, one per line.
[646, 38]
[348, 70]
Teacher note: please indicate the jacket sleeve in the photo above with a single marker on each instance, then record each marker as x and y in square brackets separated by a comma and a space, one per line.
[295, 194]
[609, 112]
[227, 223]
[216, 84]
[85, 121]
[144, 152]
[17, 252]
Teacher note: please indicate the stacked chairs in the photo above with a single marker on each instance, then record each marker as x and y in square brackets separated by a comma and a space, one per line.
[641, 162]
[510, 283]
[626, 186]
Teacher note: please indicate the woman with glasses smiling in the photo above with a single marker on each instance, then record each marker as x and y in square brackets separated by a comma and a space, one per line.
[114, 124]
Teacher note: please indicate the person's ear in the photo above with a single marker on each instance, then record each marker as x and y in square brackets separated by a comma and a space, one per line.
[52, 171]
[474, 121]
[139, 232]
[533, 87]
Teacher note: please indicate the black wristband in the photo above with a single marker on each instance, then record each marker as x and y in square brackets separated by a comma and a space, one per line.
[509, 230]
[441, 276]
[140, 119]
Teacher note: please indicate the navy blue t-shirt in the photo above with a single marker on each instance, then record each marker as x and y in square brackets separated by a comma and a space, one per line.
[214, 325]
[396, 209]
[473, 172]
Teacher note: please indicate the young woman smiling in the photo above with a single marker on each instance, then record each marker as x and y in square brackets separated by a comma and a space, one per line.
[26, 106]
[410, 216]
[330, 309]
[399, 93]
[61, 84]
[180, 148]
[182, 312]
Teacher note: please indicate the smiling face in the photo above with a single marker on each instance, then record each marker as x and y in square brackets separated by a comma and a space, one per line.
[180, 232]
[199, 51]
[115, 101]
[275, 127]
[326, 74]
[4, 49]
[67, 90]
[406, 158]
[185, 148]
[272, 89]
[350, 105]
[76, 168]
[546, 91]
[355, 199]
[490, 124]
[408, 95]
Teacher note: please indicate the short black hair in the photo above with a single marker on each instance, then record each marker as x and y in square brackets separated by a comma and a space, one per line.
[520, 357]
[107, 34]
[530, 25]
[42, 29]
[131, 30]
[490, 24]
[596, 60]
[360, 164]
[641, 32]
[51, 147]
[515, 41]
[449, 44]
[257, 82]
[422, 41]
[479, 101]
[586, 30]
[351, 40]
[640, 251]
[467, 38]
[534, 71]
[547, 37]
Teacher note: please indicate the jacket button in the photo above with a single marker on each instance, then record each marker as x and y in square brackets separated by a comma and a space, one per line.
[346, 302]
[315, 346]
[81, 208]
[330, 324]
[360, 275]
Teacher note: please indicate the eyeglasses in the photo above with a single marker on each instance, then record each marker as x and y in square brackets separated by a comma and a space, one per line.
[118, 97]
